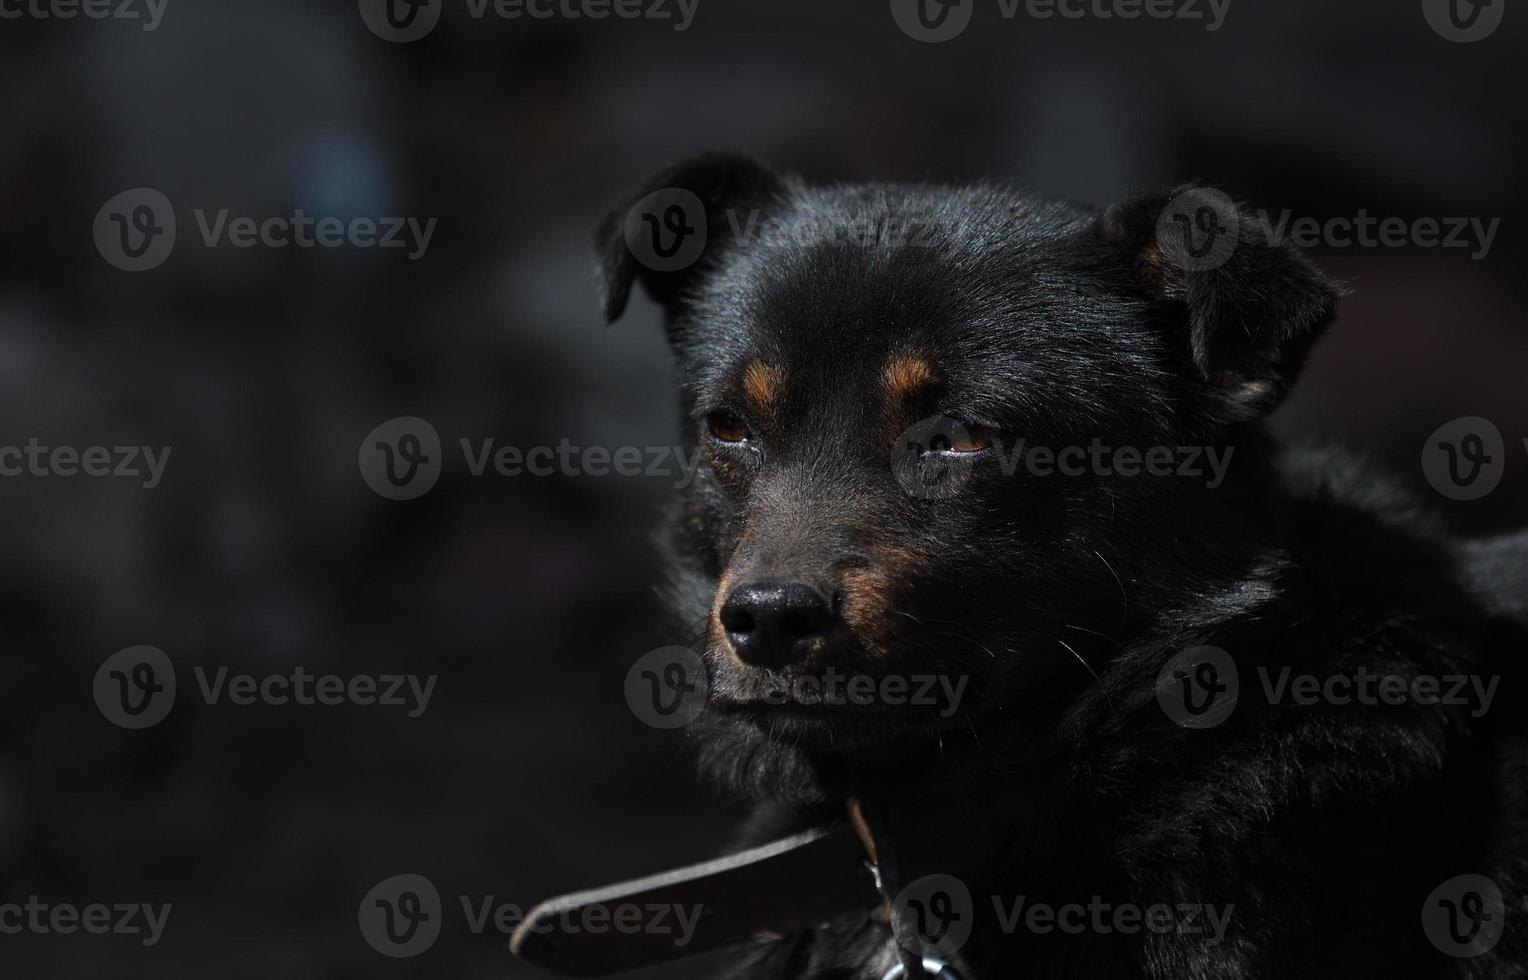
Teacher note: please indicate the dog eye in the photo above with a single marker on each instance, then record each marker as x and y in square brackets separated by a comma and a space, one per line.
[728, 426]
[974, 440]
[967, 439]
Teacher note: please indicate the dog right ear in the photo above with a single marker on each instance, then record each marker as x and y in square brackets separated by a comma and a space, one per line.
[677, 224]
[1249, 306]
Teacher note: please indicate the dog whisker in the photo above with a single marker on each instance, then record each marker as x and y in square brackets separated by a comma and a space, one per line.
[1084, 629]
[1124, 596]
[1089, 668]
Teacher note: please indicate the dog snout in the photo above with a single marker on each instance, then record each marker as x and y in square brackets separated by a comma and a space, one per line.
[775, 624]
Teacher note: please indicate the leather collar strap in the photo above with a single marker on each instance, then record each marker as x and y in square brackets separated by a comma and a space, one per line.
[785, 886]
[888, 881]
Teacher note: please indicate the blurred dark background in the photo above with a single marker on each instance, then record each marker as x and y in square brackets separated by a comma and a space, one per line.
[264, 368]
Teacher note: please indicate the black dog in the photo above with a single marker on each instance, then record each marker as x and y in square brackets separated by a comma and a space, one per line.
[989, 534]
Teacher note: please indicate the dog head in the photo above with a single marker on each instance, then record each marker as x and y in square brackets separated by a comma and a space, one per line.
[956, 443]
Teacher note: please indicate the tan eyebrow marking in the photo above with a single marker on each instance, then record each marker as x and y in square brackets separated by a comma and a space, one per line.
[905, 375]
[762, 384]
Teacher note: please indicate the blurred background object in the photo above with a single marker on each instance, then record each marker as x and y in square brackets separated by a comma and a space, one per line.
[263, 368]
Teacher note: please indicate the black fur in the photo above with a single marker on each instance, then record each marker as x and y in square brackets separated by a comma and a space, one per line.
[1061, 599]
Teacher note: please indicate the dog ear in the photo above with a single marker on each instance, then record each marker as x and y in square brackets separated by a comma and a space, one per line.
[1247, 307]
[680, 221]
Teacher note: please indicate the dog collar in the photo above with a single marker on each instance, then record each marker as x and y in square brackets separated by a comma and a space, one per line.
[766, 892]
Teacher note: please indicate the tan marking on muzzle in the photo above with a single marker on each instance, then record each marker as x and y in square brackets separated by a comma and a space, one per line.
[870, 590]
[717, 635]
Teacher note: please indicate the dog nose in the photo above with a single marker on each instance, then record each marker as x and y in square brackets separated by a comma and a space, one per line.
[772, 624]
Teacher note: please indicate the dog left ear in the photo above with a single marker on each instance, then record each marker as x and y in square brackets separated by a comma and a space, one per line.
[681, 220]
[1248, 306]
